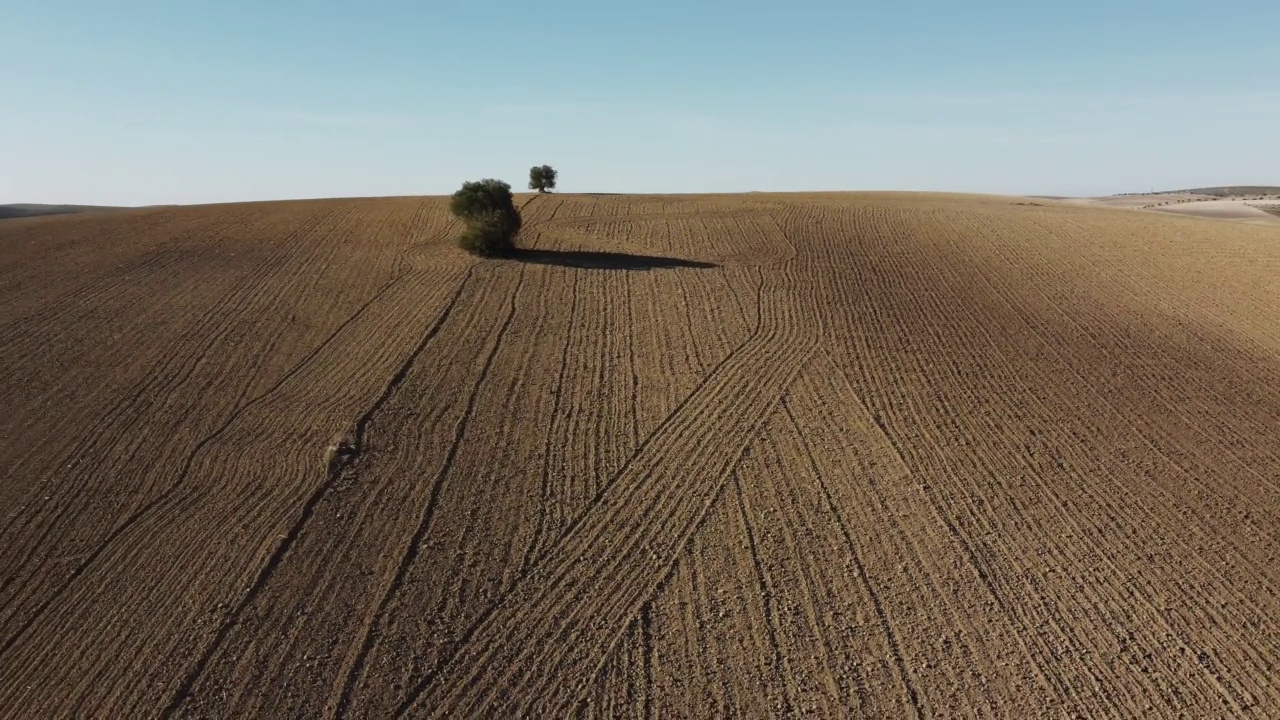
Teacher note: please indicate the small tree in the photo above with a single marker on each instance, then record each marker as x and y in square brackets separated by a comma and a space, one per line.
[489, 211]
[542, 178]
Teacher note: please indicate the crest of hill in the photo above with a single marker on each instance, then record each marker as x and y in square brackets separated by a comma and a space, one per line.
[18, 210]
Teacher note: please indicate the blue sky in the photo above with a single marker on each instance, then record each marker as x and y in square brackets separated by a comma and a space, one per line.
[133, 102]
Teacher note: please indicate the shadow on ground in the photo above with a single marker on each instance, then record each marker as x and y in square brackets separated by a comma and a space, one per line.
[605, 260]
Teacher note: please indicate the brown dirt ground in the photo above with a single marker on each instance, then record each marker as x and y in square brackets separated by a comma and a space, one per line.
[876, 454]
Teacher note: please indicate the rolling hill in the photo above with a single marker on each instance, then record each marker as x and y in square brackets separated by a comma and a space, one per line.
[30, 210]
[1234, 190]
[882, 454]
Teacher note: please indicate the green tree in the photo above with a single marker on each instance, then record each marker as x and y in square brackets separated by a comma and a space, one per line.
[542, 178]
[489, 211]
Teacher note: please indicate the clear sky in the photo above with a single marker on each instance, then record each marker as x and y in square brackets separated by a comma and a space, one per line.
[170, 101]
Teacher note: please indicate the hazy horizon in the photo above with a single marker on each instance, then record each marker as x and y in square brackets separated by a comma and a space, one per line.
[142, 103]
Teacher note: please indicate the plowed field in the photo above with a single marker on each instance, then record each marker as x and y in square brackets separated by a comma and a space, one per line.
[882, 455]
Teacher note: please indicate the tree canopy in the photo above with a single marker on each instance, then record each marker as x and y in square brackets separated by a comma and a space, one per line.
[542, 178]
[489, 211]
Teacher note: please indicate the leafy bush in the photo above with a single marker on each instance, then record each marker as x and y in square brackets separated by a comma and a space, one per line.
[484, 196]
[489, 211]
[542, 178]
[488, 235]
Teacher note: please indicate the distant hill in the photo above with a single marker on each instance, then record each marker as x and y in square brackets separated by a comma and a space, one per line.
[1234, 190]
[27, 209]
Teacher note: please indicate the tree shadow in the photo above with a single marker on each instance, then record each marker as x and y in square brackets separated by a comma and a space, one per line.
[605, 260]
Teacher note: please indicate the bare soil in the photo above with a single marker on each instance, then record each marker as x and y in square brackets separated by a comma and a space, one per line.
[1141, 201]
[1252, 209]
[768, 455]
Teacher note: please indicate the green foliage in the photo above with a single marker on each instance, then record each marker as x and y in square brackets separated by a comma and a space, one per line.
[489, 211]
[542, 178]
[483, 196]
[488, 236]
